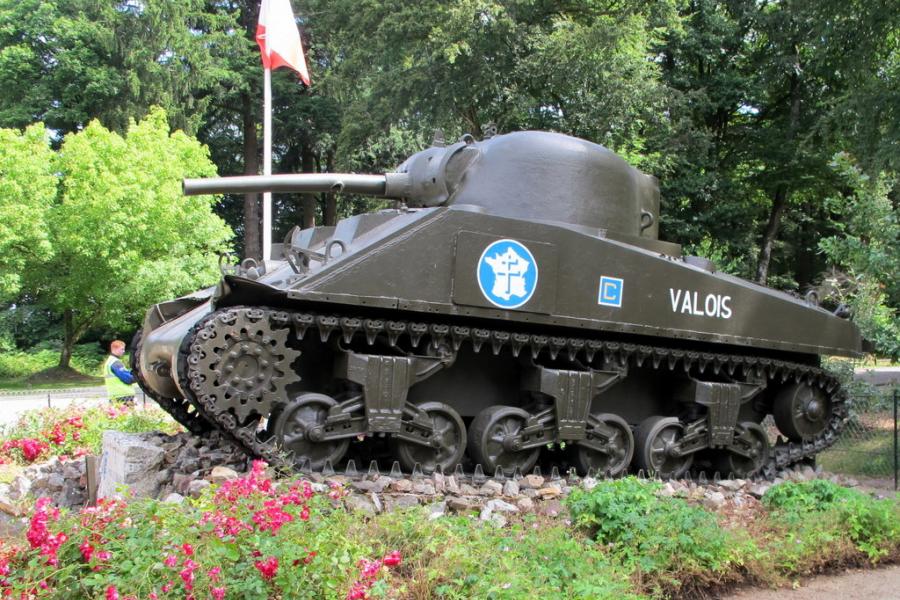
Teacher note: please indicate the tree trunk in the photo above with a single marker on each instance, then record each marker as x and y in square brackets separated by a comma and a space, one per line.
[65, 357]
[72, 332]
[252, 241]
[779, 201]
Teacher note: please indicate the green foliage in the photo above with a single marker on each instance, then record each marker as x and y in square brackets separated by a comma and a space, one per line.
[653, 534]
[27, 191]
[122, 234]
[871, 524]
[868, 249]
[20, 364]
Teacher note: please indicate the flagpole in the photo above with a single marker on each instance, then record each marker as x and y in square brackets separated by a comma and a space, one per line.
[267, 164]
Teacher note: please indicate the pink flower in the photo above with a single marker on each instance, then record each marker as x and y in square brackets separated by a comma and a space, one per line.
[304, 514]
[188, 549]
[167, 587]
[214, 573]
[170, 561]
[268, 567]
[218, 593]
[112, 593]
[153, 596]
[187, 574]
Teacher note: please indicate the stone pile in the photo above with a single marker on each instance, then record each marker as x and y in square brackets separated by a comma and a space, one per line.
[172, 467]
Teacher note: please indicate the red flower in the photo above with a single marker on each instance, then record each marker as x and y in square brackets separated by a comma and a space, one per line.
[268, 567]
[86, 550]
[188, 549]
[218, 593]
[170, 561]
[112, 593]
[392, 559]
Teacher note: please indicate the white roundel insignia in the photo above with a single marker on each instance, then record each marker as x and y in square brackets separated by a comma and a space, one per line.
[507, 274]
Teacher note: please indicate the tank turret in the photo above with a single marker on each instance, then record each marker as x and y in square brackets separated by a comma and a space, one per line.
[525, 175]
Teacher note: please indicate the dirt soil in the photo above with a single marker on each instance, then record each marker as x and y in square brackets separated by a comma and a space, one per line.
[855, 584]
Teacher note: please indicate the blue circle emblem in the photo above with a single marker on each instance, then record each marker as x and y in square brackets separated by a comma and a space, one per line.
[507, 274]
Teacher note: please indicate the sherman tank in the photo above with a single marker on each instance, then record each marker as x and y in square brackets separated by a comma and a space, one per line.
[517, 297]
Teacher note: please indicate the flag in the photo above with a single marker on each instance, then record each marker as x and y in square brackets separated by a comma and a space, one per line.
[278, 38]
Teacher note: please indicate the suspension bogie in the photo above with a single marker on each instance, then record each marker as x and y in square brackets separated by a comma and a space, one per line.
[445, 395]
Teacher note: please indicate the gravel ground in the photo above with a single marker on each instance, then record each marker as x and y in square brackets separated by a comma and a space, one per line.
[876, 584]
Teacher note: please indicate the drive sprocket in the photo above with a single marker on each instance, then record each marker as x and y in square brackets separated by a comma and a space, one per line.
[240, 359]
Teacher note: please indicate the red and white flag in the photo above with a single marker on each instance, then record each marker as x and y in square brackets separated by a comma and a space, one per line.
[278, 38]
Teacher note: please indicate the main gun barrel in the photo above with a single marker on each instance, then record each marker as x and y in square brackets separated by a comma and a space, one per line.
[391, 185]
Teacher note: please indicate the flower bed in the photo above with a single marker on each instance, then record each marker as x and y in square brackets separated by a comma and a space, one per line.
[257, 538]
[74, 431]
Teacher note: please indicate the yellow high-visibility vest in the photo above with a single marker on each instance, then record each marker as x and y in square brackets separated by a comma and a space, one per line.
[114, 386]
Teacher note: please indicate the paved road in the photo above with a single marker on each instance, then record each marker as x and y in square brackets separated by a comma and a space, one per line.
[877, 584]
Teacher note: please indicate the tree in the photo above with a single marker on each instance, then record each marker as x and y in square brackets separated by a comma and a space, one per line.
[27, 190]
[867, 249]
[123, 235]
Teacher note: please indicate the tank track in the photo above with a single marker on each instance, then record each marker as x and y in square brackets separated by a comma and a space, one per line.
[782, 453]
[195, 422]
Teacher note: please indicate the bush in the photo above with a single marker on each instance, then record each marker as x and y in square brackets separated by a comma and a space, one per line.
[872, 525]
[665, 539]
[20, 364]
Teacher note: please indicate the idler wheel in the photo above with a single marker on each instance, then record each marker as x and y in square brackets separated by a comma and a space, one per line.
[494, 440]
[298, 431]
[447, 442]
[656, 441]
[801, 412]
[751, 439]
[617, 453]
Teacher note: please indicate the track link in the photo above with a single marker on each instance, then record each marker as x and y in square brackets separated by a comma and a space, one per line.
[783, 454]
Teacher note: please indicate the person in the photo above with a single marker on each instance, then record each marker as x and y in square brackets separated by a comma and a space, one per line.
[117, 378]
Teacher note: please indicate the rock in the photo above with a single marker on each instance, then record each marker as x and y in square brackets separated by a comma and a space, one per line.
[55, 481]
[440, 483]
[467, 490]
[360, 503]
[588, 483]
[376, 502]
[181, 481]
[381, 483]
[363, 486]
[437, 510]
[423, 488]
[732, 485]
[163, 477]
[400, 501]
[511, 488]
[525, 504]
[452, 484]
[461, 505]
[667, 491]
[532, 481]
[128, 460]
[807, 473]
[401, 485]
[220, 474]
[529, 493]
[7, 504]
[549, 492]
[20, 487]
[173, 498]
[498, 520]
[713, 499]
[758, 490]
[491, 488]
[501, 506]
[196, 487]
[551, 508]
